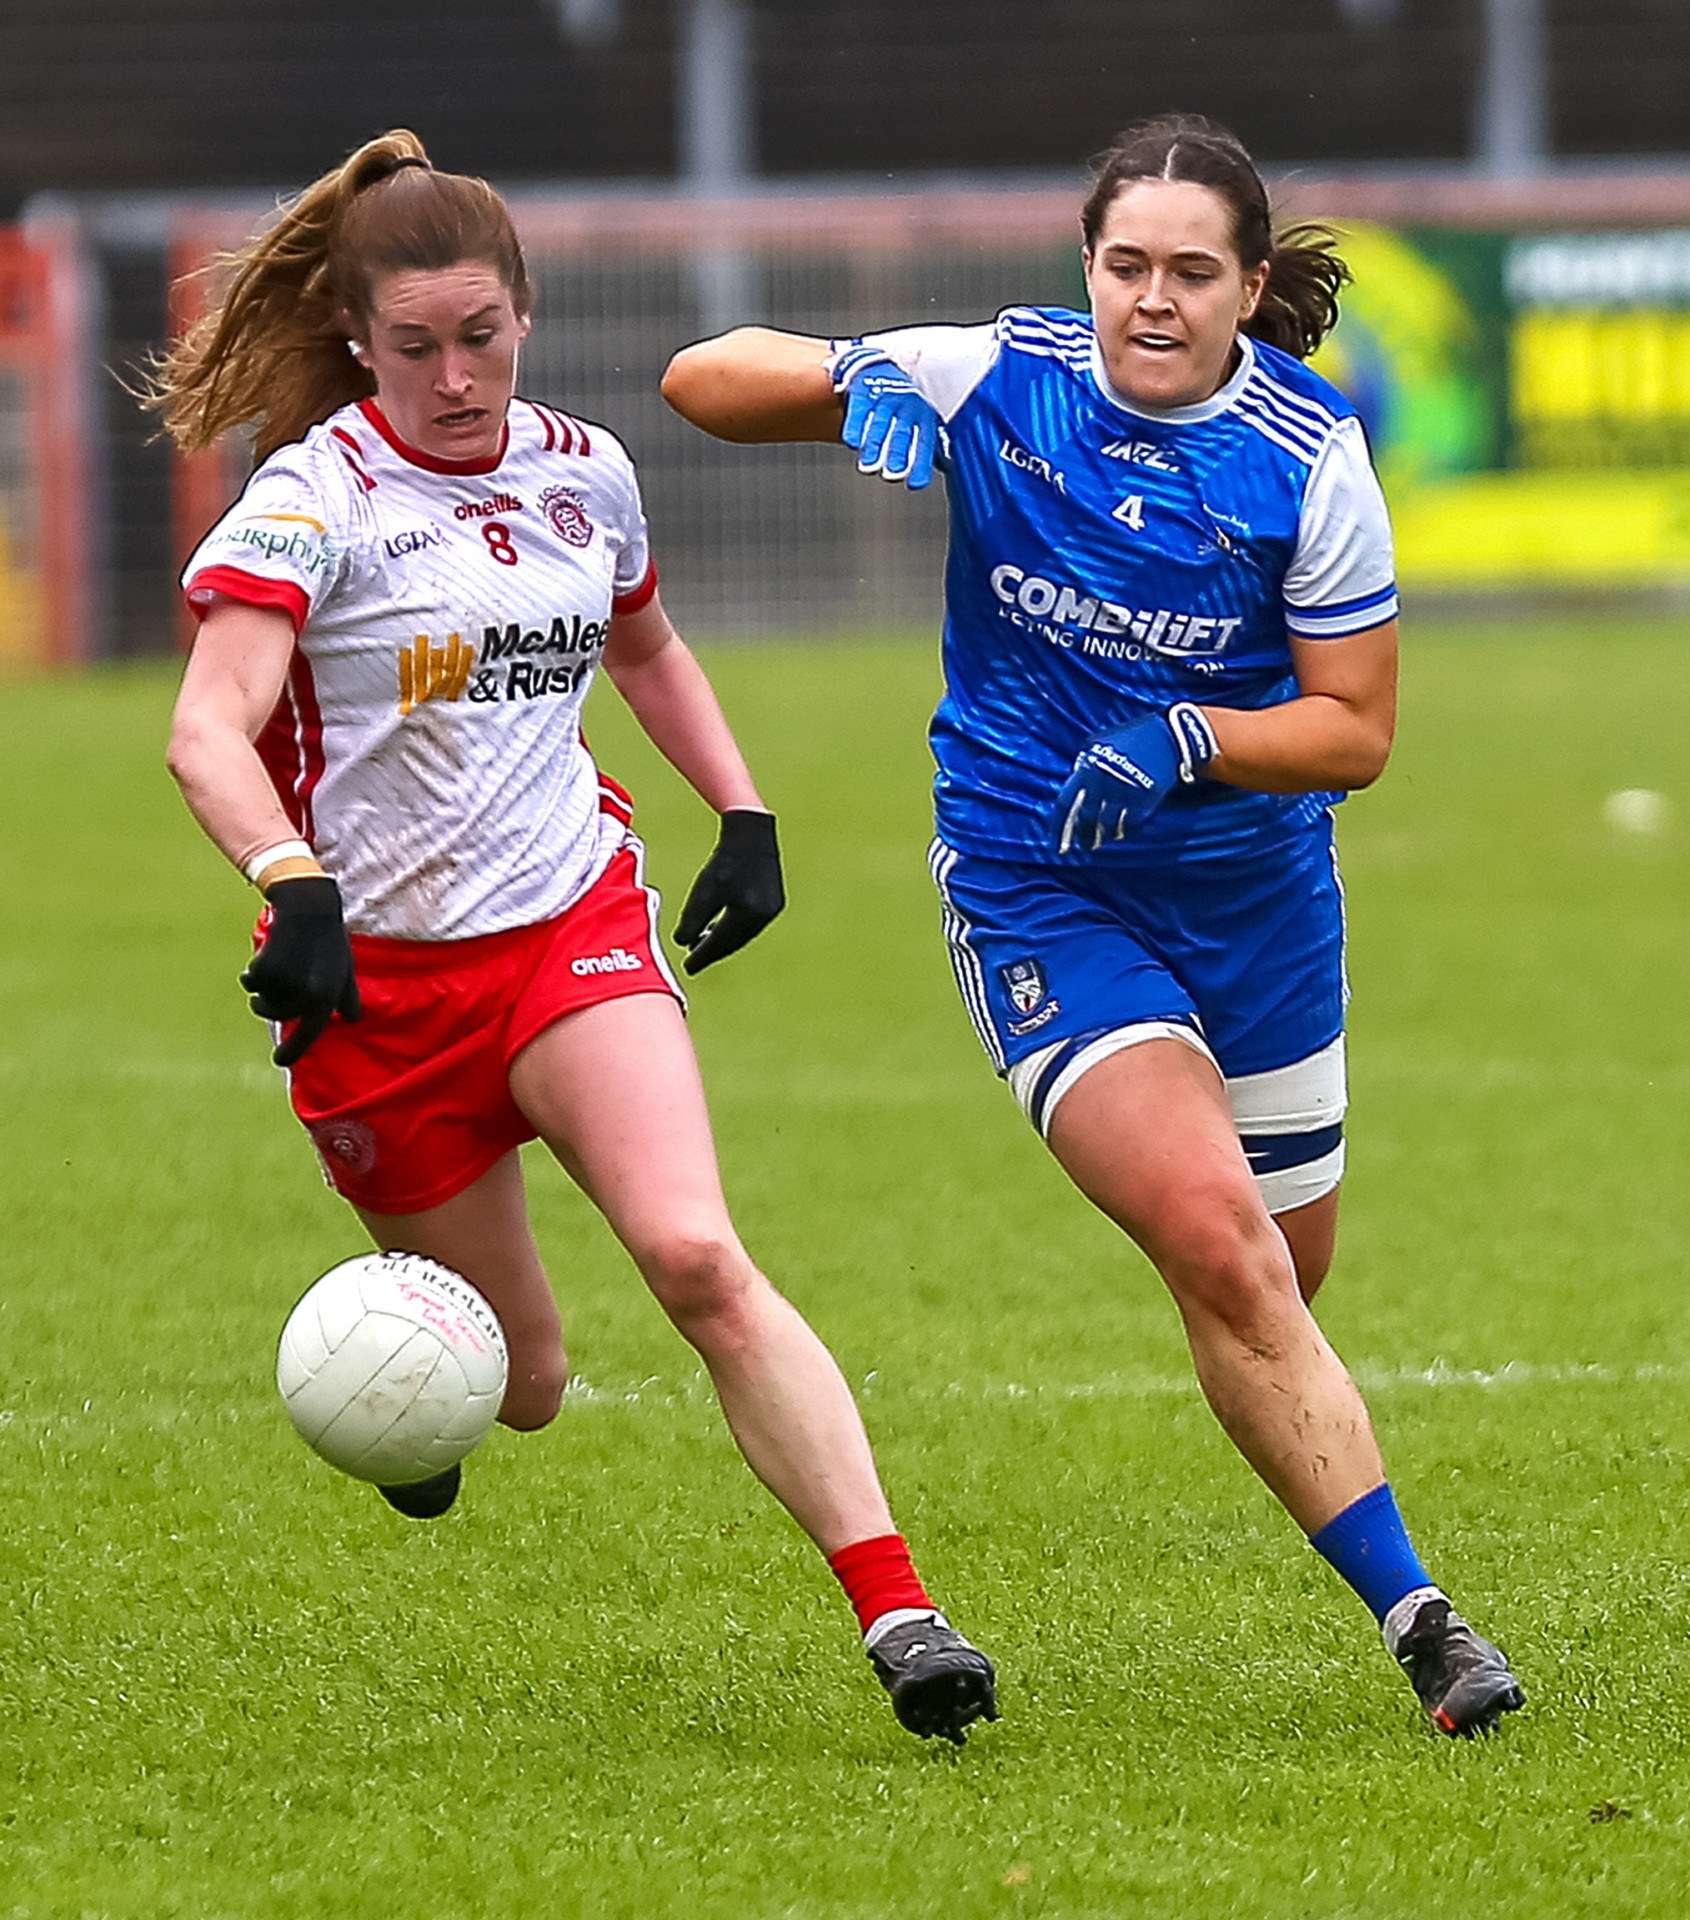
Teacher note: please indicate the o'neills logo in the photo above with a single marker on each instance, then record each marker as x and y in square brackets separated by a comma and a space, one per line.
[618, 960]
[485, 509]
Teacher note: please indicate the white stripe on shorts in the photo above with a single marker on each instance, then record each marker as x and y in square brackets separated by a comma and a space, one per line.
[965, 962]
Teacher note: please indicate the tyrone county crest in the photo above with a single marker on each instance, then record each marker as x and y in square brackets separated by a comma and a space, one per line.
[348, 1145]
[1024, 982]
[566, 512]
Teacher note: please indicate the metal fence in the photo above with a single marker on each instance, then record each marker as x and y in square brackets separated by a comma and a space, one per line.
[787, 539]
[749, 540]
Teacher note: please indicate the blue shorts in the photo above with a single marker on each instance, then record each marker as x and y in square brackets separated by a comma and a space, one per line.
[1243, 959]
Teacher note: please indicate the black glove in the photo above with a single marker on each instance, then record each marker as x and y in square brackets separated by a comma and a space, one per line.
[303, 971]
[738, 892]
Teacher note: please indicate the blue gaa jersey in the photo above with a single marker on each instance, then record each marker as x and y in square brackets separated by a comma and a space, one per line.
[1106, 561]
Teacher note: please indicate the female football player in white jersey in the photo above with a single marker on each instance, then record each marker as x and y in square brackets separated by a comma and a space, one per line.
[1170, 648]
[380, 727]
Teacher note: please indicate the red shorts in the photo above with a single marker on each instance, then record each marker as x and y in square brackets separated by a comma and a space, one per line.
[412, 1104]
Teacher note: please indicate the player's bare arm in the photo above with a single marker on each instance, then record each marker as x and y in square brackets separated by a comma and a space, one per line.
[1335, 734]
[668, 692]
[740, 888]
[233, 680]
[757, 384]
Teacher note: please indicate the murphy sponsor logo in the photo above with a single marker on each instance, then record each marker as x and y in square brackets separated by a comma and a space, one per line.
[1069, 617]
[294, 537]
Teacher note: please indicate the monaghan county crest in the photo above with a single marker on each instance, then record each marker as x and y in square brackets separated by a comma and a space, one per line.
[1024, 981]
[566, 513]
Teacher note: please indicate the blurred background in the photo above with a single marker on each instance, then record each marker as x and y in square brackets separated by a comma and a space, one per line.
[1512, 176]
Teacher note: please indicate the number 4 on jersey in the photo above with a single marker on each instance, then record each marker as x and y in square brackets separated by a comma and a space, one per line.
[1131, 510]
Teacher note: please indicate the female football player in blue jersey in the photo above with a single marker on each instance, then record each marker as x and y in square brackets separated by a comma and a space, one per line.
[1170, 647]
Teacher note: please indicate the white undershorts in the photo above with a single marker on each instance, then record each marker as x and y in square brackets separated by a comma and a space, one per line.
[1290, 1120]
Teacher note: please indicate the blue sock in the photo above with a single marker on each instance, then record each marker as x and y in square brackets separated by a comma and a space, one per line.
[1368, 1546]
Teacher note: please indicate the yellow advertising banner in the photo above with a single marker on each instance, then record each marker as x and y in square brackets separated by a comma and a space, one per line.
[1528, 399]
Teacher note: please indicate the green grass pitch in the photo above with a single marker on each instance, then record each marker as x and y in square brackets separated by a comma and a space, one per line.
[615, 1681]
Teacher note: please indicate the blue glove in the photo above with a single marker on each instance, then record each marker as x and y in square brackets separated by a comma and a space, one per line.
[1121, 779]
[895, 431]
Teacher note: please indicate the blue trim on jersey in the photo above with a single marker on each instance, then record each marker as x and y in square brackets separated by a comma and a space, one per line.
[1339, 618]
[1106, 563]
[1336, 609]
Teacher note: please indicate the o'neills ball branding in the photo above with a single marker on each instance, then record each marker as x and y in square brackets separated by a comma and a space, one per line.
[566, 512]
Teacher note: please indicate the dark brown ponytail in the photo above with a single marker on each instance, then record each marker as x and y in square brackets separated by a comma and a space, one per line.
[1300, 304]
[275, 352]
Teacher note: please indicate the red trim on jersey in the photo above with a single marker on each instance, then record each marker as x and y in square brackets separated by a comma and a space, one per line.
[614, 798]
[251, 589]
[429, 462]
[564, 433]
[637, 597]
[291, 744]
[354, 459]
[311, 739]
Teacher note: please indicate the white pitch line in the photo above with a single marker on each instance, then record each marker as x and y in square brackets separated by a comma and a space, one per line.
[1147, 1386]
[696, 1392]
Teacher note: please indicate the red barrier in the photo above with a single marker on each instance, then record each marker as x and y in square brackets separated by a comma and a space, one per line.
[47, 540]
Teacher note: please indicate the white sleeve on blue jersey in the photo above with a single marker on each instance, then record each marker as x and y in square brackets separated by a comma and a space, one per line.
[1342, 577]
[944, 363]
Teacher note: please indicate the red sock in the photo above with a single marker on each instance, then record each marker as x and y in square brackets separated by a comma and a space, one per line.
[877, 1576]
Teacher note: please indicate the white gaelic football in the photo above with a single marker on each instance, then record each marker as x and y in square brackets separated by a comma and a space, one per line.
[392, 1367]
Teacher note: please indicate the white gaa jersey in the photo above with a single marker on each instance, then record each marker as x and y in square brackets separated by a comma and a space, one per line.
[450, 617]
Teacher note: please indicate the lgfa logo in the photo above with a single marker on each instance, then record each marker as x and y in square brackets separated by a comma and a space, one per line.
[428, 672]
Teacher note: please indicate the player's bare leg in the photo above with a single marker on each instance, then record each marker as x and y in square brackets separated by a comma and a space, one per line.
[614, 1090]
[1311, 1232]
[483, 1233]
[1147, 1135]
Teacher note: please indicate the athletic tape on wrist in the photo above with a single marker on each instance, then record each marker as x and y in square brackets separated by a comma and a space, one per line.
[282, 850]
[1194, 737]
[852, 358]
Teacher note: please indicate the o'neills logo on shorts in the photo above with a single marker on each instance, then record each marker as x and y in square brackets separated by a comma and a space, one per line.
[618, 960]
